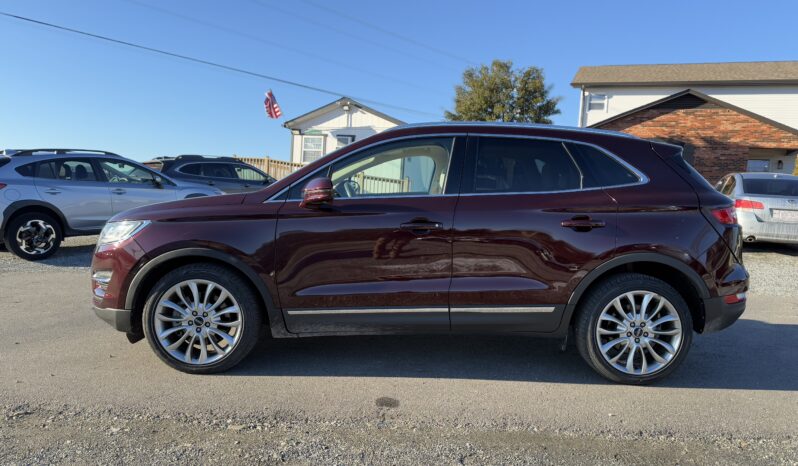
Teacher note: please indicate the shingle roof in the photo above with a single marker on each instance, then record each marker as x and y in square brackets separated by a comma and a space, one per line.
[763, 72]
[335, 104]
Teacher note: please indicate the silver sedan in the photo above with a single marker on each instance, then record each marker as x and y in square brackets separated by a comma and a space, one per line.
[766, 205]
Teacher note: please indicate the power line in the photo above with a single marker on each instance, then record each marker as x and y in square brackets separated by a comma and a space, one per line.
[381, 29]
[278, 45]
[214, 64]
[366, 40]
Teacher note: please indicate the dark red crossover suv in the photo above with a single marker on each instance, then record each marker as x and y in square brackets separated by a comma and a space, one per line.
[439, 228]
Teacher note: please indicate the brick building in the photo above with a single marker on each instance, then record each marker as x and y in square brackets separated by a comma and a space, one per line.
[728, 116]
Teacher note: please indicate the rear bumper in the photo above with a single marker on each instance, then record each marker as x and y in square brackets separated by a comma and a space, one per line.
[777, 232]
[719, 315]
[117, 318]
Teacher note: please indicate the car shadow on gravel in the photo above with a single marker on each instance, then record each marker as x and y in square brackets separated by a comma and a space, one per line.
[749, 355]
[758, 248]
[69, 255]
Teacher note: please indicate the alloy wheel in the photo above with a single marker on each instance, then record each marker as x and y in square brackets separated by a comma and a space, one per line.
[639, 333]
[198, 322]
[36, 237]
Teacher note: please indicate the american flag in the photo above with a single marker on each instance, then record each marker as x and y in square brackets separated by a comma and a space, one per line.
[272, 109]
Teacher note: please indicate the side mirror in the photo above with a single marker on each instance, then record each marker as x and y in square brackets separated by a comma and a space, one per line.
[157, 181]
[318, 192]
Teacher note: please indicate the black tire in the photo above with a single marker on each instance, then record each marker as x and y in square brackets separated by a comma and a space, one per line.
[590, 309]
[236, 285]
[18, 222]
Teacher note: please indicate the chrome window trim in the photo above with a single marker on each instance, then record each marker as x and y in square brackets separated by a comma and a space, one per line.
[327, 165]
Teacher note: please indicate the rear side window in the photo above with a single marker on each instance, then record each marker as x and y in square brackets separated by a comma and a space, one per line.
[770, 187]
[4, 160]
[599, 169]
[523, 165]
[191, 169]
[218, 170]
[67, 170]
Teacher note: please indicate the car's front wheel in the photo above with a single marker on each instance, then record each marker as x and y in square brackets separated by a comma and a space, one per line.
[633, 328]
[202, 318]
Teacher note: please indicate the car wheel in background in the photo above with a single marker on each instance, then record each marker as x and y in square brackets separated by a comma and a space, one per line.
[33, 236]
[633, 328]
[202, 318]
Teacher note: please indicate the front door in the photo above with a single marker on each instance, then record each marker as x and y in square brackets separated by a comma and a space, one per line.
[526, 229]
[133, 186]
[378, 259]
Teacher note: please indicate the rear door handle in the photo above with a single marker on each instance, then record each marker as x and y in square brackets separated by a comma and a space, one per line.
[53, 191]
[583, 223]
[118, 191]
[421, 228]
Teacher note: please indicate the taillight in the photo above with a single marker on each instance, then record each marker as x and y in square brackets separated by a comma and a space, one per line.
[725, 215]
[746, 204]
[3, 185]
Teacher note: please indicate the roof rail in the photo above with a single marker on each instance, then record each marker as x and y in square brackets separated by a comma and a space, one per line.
[203, 157]
[29, 152]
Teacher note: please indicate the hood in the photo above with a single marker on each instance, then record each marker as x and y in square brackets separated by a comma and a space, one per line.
[186, 208]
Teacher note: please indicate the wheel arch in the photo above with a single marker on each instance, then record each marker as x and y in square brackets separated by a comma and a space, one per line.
[673, 271]
[23, 207]
[148, 275]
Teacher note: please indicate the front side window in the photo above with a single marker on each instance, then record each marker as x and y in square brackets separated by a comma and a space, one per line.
[417, 167]
[117, 171]
[312, 148]
[508, 165]
[67, 170]
[248, 174]
[599, 169]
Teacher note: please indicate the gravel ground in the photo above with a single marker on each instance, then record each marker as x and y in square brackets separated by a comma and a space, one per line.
[73, 391]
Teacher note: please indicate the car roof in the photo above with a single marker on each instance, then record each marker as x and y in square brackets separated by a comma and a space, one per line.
[500, 124]
[66, 152]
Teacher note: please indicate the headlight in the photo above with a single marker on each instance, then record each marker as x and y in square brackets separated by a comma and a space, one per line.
[114, 232]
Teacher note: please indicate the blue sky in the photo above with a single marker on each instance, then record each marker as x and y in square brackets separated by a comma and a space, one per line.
[58, 89]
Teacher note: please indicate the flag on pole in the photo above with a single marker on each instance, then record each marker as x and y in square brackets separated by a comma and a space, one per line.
[272, 109]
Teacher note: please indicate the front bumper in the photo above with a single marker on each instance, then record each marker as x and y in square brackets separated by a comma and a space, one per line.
[117, 318]
[718, 314]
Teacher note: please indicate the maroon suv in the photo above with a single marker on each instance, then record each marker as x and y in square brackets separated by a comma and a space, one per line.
[439, 228]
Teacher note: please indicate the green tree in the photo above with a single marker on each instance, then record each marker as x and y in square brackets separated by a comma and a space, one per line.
[500, 93]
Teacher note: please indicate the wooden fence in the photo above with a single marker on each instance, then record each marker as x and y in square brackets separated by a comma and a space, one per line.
[276, 168]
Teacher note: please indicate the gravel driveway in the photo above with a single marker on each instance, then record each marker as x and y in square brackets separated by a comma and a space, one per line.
[74, 391]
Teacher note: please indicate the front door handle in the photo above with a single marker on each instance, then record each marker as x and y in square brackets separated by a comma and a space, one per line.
[421, 228]
[583, 223]
[118, 191]
[53, 191]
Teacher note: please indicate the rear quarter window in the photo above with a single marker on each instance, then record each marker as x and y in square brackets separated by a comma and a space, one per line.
[599, 169]
[4, 160]
[27, 170]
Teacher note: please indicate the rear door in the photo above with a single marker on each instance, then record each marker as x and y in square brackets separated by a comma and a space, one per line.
[132, 185]
[77, 190]
[526, 229]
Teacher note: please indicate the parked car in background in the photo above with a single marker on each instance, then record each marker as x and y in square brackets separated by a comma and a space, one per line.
[226, 173]
[458, 227]
[766, 204]
[49, 194]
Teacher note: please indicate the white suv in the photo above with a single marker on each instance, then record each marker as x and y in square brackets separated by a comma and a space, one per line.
[48, 194]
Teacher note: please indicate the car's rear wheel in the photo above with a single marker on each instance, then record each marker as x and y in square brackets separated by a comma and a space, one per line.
[202, 318]
[33, 236]
[633, 328]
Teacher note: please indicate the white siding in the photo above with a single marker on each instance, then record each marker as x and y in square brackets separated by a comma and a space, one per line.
[356, 122]
[779, 103]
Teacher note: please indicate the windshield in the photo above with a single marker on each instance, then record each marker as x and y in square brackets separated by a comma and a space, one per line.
[771, 186]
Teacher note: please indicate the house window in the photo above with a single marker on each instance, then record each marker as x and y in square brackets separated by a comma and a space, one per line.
[344, 140]
[312, 148]
[597, 102]
[758, 166]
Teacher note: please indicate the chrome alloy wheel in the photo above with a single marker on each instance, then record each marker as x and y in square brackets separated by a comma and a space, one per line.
[198, 322]
[36, 237]
[639, 332]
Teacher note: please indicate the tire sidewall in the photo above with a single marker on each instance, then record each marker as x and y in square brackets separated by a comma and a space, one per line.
[13, 227]
[596, 303]
[235, 285]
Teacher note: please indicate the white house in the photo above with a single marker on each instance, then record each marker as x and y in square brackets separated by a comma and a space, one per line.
[332, 126]
[739, 116]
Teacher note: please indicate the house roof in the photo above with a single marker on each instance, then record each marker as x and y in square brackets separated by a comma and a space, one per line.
[691, 74]
[290, 124]
[705, 98]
